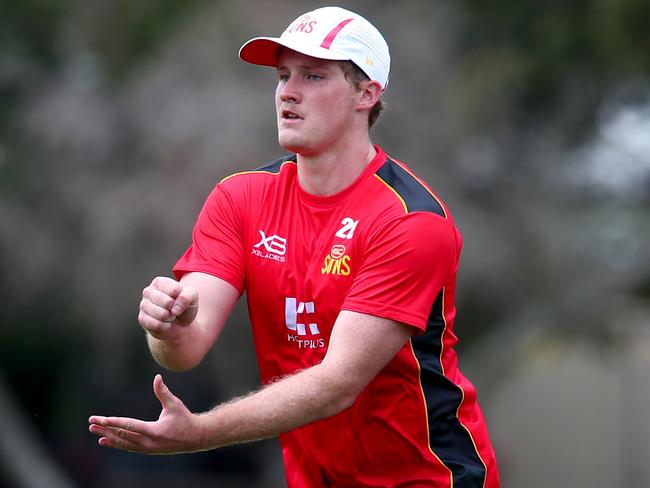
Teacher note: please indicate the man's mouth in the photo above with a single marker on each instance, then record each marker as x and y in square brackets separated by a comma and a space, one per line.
[290, 115]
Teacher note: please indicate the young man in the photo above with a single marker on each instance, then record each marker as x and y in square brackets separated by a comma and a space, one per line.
[349, 263]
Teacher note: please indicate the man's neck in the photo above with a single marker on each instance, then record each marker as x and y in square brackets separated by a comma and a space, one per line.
[331, 172]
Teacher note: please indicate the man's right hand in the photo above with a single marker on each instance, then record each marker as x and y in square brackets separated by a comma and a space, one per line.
[166, 307]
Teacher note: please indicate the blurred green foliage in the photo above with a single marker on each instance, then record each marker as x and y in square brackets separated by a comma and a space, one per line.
[121, 32]
[537, 48]
[29, 28]
[124, 32]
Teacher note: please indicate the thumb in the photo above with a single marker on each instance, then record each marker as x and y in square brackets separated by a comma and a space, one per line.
[186, 305]
[164, 395]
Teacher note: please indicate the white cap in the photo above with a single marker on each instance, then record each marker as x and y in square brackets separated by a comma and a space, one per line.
[327, 33]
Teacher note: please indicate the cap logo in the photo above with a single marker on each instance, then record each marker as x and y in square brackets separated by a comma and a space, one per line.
[303, 24]
[329, 39]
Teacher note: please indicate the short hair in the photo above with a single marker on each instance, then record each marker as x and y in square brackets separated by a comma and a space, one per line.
[355, 75]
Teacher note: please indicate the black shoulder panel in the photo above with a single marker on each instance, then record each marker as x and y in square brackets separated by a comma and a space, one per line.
[415, 195]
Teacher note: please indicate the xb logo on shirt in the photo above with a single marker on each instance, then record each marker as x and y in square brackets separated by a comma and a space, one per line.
[274, 246]
[272, 243]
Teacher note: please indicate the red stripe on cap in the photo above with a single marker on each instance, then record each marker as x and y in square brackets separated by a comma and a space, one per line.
[333, 33]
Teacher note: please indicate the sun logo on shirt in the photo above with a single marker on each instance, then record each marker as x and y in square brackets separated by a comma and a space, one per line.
[336, 262]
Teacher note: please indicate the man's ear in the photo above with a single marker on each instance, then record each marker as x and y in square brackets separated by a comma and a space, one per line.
[370, 91]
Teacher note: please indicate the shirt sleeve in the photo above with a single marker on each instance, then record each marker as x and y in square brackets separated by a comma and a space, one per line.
[406, 264]
[217, 248]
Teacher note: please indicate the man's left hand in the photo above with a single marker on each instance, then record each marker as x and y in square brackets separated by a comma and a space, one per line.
[175, 431]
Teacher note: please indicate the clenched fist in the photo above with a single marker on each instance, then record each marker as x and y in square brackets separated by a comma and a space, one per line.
[166, 306]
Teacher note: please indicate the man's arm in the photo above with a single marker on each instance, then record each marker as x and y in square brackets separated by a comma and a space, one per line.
[179, 331]
[360, 346]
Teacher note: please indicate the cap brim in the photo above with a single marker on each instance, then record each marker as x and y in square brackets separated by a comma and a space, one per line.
[264, 51]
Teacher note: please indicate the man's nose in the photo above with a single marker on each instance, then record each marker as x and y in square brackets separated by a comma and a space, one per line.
[290, 91]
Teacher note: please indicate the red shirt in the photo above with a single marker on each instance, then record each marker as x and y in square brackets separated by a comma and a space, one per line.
[384, 246]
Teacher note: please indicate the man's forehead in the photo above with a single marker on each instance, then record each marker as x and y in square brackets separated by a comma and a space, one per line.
[288, 57]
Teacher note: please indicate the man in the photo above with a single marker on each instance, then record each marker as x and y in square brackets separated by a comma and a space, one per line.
[349, 263]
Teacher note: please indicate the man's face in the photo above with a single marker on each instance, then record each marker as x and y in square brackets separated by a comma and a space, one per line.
[314, 103]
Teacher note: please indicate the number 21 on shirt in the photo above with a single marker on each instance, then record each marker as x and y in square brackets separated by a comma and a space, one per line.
[348, 228]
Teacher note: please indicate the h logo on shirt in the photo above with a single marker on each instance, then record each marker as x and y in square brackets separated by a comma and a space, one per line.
[292, 309]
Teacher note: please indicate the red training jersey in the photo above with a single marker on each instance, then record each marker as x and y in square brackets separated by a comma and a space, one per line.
[384, 246]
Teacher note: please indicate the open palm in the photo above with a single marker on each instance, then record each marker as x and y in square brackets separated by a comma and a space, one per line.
[175, 431]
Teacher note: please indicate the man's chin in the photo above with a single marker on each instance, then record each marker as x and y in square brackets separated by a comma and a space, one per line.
[292, 145]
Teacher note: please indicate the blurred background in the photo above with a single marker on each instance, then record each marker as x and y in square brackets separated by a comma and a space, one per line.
[530, 119]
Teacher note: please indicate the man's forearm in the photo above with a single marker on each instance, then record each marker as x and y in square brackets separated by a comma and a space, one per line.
[310, 395]
[280, 407]
[179, 353]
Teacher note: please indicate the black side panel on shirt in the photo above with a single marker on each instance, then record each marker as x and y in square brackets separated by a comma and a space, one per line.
[414, 194]
[448, 438]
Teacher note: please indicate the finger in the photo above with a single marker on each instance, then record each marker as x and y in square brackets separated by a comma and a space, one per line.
[122, 423]
[151, 324]
[155, 311]
[167, 285]
[120, 439]
[115, 433]
[157, 297]
[120, 444]
[167, 399]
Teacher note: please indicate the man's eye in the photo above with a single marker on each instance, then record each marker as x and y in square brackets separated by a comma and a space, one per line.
[314, 77]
